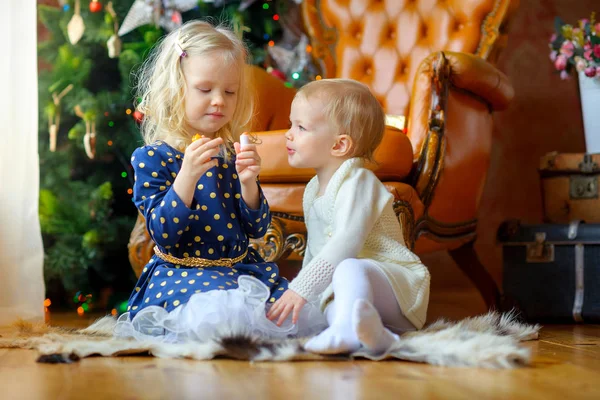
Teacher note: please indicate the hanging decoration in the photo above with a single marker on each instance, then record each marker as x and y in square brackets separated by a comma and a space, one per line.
[113, 44]
[54, 116]
[89, 139]
[163, 13]
[95, 6]
[76, 27]
[290, 61]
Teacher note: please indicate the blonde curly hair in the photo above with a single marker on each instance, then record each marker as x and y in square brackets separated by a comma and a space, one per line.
[161, 83]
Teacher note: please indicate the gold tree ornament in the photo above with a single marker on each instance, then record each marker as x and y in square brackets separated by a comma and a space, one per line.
[54, 116]
[76, 27]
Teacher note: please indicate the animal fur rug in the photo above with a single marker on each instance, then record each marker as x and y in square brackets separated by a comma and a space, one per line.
[487, 341]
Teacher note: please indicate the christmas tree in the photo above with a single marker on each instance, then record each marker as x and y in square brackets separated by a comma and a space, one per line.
[89, 128]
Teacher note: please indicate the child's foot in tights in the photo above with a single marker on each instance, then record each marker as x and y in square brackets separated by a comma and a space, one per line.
[337, 339]
[369, 328]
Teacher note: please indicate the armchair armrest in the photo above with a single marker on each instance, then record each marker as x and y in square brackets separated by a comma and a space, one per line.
[394, 158]
[450, 126]
[272, 98]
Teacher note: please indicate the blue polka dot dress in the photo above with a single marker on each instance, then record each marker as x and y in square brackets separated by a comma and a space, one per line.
[217, 226]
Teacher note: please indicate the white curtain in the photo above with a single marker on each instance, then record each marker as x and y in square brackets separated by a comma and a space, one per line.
[21, 252]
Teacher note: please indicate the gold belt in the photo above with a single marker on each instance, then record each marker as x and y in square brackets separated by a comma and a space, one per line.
[200, 262]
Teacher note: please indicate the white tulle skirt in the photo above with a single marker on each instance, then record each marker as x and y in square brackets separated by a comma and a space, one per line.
[218, 313]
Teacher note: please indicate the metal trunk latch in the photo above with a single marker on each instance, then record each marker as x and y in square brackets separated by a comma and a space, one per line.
[540, 251]
[584, 186]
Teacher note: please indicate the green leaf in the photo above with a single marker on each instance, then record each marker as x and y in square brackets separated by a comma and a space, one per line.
[558, 24]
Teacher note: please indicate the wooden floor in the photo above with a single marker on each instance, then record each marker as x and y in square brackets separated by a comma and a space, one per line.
[566, 366]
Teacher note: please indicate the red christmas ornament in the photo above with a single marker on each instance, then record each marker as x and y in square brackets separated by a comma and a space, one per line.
[278, 74]
[138, 116]
[95, 6]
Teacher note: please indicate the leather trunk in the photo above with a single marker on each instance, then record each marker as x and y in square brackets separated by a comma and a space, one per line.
[570, 187]
[551, 272]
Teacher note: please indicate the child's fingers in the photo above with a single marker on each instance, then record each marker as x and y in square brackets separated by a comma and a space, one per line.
[247, 162]
[274, 310]
[247, 147]
[208, 154]
[296, 313]
[237, 147]
[208, 165]
[284, 314]
[248, 151]
[201, 145]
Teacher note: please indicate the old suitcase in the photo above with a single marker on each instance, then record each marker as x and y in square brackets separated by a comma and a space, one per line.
[552, 271]
[570, 187]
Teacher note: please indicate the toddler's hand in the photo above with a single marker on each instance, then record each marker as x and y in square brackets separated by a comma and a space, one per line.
[198, 157]
[289, 302]
[247, 162]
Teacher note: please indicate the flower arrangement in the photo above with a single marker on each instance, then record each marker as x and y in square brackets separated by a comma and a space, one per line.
[576, 47]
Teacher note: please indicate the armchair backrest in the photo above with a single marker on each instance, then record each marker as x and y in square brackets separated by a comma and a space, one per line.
[382, 42]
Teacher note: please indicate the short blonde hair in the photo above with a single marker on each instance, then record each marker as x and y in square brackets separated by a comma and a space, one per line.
[161, 82]
[352, 109]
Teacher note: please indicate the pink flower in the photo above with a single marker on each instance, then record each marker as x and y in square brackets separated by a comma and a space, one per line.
[553, 55]
[567, 48]
[564, 75]
[590, 72]
[598, 28]
[588, 55]
[598, 72]
[583, 22]
[560, 63]
[597, 50]
[580, 65]
[553, 38]
[587, 46]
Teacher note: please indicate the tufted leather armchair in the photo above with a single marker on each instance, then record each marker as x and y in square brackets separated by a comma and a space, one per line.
[425, 60]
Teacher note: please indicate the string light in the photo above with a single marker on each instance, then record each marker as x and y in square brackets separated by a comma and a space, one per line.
[106, 113]
[266, 36]
[129, 191]
[124, 174]
[295, 75]
[80, 311]
[114, 312]
[271, 43]
[308, 48]
[318, 77]
[110, 143]
[128, 111]
[111, 124]
[276, 17]
[265, 6]
[47, 303]
[123, 306]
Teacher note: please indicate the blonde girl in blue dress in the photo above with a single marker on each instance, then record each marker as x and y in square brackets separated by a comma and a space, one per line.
[201, 198]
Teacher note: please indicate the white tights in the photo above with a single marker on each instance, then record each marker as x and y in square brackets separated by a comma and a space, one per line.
[363, 303]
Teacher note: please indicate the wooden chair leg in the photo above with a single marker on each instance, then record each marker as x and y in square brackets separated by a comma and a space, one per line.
[466, 258]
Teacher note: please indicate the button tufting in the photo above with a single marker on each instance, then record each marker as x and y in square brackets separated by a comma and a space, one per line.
[391, 33]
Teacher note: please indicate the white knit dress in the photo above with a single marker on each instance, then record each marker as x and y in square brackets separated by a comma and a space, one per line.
[355, 219]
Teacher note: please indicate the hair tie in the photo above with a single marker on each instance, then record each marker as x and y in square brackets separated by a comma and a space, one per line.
[182, 52]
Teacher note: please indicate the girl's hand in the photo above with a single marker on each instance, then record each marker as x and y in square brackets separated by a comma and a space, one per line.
[289, 302]
[247, 163]
[198, 158]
